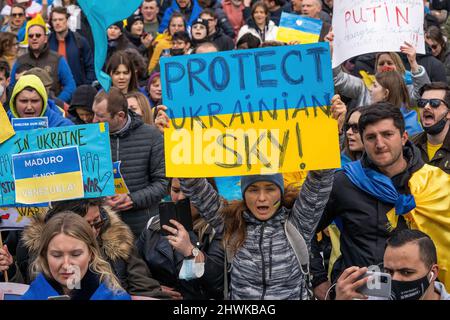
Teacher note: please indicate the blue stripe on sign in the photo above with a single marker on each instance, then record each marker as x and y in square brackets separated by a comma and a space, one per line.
[48, 162]
[301, 23]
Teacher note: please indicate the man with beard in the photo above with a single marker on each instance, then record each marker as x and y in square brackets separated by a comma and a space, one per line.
[40, 55]
[389, 188]
[434, 142]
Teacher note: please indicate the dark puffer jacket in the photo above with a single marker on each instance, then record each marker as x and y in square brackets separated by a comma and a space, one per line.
[140, 147]
[362, 218]
[265, 266]
[441, 158]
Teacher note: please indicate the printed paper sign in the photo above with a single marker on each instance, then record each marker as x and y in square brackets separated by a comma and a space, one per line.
[250, 112]
[49, 175]
[364, 26]
[119, 182]
[294, 27]
[20, 124]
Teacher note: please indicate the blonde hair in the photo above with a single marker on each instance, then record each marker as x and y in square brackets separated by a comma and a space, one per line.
[144, 105]
[73, 225]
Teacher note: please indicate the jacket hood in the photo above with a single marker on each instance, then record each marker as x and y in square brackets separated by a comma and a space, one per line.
[26, 81]
[116, 241]
[136, 122]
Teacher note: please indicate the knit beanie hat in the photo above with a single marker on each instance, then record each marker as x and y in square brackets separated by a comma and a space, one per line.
[277, 179]
[132, 19]
[119, 24]
[201, 21]
[83, 96]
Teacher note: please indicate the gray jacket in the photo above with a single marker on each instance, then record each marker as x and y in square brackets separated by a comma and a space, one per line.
[265, 266]
[140, 147]
[354, 87]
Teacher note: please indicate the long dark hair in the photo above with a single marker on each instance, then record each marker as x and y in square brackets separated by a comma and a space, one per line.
[118, 58]
[353, 155]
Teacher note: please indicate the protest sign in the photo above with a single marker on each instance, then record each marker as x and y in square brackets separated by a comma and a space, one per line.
[250, 112]
[21, 124]
[7, 130]
[294, 27]
[364, 26]
[18, 217]
[119, 181]
[94, 149]
[48, 175]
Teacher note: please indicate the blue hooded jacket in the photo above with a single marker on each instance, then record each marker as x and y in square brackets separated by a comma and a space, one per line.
[40, 289]
[195, 10]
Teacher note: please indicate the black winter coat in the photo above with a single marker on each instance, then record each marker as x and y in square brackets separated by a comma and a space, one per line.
[140, 147]
[165, 263]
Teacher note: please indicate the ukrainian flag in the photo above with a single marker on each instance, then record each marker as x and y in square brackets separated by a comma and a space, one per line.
[294, 27]
[48, 175]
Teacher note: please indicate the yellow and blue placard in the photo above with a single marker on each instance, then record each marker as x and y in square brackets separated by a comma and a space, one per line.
[294, 27]
[21, 124]
[246, 112]
[49, 175]
[6, 130]
[119, 181]
[93, 144]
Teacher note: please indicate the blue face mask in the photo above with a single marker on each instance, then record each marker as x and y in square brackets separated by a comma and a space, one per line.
[191, 270]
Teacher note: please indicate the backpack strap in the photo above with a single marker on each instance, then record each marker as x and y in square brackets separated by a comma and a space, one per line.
[298, 244]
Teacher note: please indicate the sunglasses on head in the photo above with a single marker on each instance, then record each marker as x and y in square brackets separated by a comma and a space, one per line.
[35, 35]
[434, 103]
[353, 126]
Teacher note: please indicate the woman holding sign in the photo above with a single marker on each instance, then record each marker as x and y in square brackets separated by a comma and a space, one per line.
[69, 264]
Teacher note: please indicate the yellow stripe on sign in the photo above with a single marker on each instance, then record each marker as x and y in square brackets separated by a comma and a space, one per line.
[50, 188]
[6, 129]
[287, 35]
[252, 143]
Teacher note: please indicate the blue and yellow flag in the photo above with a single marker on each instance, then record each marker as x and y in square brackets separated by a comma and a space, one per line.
[294, 27]
[48, 175]
[7, 130]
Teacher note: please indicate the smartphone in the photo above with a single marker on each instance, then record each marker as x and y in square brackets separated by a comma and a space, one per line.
[179, 211]
[63, 297]
[379, 286]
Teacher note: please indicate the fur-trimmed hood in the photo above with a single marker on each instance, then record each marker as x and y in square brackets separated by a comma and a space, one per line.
[115, 240]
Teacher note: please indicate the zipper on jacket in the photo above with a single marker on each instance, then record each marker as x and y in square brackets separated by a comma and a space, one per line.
[262, 261]
[117, 149]
[270, 258]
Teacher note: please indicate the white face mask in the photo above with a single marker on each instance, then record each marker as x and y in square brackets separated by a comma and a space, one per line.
[191, 270]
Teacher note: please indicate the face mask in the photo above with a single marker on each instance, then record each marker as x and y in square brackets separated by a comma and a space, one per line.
[409, 290]
[437, 127]
[177, 52]
[191, 270]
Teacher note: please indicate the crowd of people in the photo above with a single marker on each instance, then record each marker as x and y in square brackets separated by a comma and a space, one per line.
[297, 236]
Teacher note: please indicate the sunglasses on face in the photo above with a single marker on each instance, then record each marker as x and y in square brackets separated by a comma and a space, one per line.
[35, 35]
[434, 103]
[17, 15]
[434, 46]
[353, 126]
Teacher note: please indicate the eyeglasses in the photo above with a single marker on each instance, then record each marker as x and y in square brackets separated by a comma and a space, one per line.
[97, 225]
[17, 15]
[434, 103]
[353, 126]
[35, 35]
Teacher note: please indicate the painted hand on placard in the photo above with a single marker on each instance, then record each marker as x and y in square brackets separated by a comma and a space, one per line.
[5, 165]
[90, 164]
